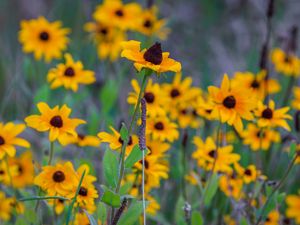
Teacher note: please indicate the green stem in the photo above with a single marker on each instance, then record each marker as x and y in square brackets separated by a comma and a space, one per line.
[281, 182]
[51, 153]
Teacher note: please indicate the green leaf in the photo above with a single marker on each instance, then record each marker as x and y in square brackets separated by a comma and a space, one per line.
[293, 148]
[110, 166]
[281, 197]
[135, 155]
[132, 215]
[211, 189]
[197, 218]
[179, 213]
[244, 221]
[30, 216]
[102, 212]
[21, 221]
[111, 198]
[124, 132]
[91, 218]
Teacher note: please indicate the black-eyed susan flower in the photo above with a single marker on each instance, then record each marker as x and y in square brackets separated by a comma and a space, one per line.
[296, 100]
[162, 129]
[186, 115]
[231, 186]
[259, 138]
[232, 104]
[70, 75]
[43, 38]
[59, 205]
[9, 139]
[24, 170]
[156, 99]
[5, 207]
[81, 219]
[248, 174]
[150, 25]
[152, 58]
[268, 116]
[115, 141]
[5, 176]
[107, 38]
[60, 179]
[55, 120]
[117, 14]
[272, 218]
[153, 207]
[293, 207]
[156, 147]
[286, 63]
[257, 83]
[82, 140]
[18, 206]
[209, 156]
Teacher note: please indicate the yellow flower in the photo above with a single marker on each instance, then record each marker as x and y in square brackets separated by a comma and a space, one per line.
[70, 75]
[59, 205]
[60, 179]
[24, 170]
[268, 116]
[5, 207]
[81, 140]
[9, 139]
[150, 25]
[191, 177]
[259, 86]
[153, 205]
[231, 104]
[43, 38]
[228, 220]
[55, 120]
[17, 205]
[152, 58]
[287, 64]
[4, 175]
[259, 138]
[156, 99]
[208, 155]
[231, 186]
[107, 38]
[162, 129]
[296, 100]
[293, 207]
[156, 147]
[248, 174]
[81, 219]
[273, 218]
[115, 141]
[115, 13]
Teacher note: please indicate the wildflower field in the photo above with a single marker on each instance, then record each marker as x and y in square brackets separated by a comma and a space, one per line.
[149, 112]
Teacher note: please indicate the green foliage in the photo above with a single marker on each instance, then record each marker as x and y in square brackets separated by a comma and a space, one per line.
[110, 168]
[102, 212]
[111, 198]
[197, 218]
[211, 189]
[135, 155]
[133, 213]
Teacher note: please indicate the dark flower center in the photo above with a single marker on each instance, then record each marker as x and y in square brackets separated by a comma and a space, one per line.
[159, 126]
[268, 219]
[208, 111]
[287, 59]
[58, 176]
[57, 121]
[69, 72]
[267, 113]
[213, 153]
[148, 24]
[103, 31]
[1, 172]
[2, 141]
[81, 136]
[174, 93]
[229, 102]
[149, 97]
[119, 13]
[195, 112]
[260, 134]
[146, 163]
[286, 221]
[44, 36]
[83, 191]
[129, 142]
[20, 169]
[184, 111]
[248, 172]
[154, 54]
[255, 84]
[61, 201]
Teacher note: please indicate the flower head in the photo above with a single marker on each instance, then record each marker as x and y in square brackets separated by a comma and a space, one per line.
[70, 74]
[9, 139]
[152, 58]
[55, 120]
[231, 104]
[293, 209]
[43, 38]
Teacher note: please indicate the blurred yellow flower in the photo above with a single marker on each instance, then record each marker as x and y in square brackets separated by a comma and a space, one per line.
[55, 120]
[70, 74]
[296, 100]
[5, 207]
[82, 140]
[152, 58]
[273, 218]
[153, 205]
[231, 186]
[248, 174]
[58, 204]
[293, 207]
[81, 219]
[287, 64]
[259, 138]
[268, 116]
[9, 139]
[232, 104]
[43, 38]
